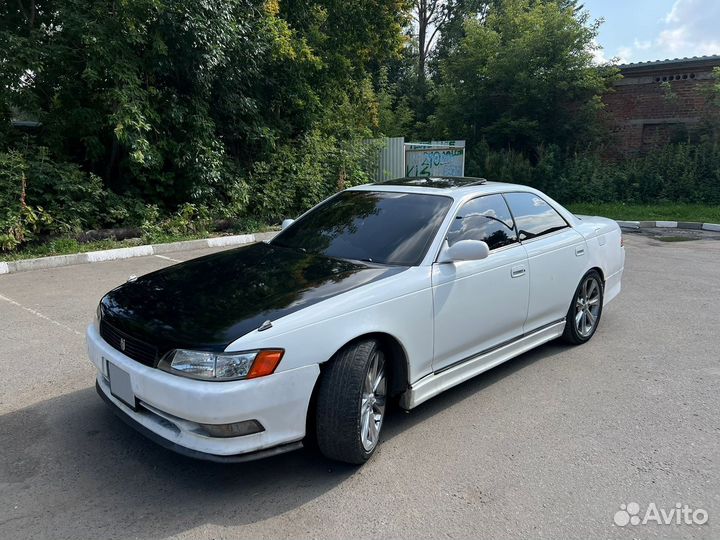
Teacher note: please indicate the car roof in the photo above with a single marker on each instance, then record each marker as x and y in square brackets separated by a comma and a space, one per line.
[440, 182]
[453, 186]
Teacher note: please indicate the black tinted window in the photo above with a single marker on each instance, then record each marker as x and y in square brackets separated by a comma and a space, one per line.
[485, 218]
[533, 216]
[376, 226]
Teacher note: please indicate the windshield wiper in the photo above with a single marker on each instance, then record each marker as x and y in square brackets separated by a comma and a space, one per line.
[281, 245]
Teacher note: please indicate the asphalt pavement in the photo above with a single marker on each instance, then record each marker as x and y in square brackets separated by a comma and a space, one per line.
[550, 444]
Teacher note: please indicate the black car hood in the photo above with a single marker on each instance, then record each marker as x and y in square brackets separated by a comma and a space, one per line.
[209, 302]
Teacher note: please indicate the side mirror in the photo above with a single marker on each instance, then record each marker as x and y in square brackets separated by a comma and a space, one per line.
[464, 250]
[286, 223]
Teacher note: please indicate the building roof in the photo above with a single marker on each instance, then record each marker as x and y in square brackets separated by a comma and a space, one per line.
[672, 63]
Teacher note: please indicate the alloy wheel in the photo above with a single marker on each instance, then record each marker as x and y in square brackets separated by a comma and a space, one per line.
[587, 306]
[372, 404]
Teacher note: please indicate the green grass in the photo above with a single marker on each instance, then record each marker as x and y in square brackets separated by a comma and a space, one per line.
[68, 246]
[651, 212]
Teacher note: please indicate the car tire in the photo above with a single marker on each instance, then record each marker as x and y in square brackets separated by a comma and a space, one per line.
[351, 402]
[583, 316]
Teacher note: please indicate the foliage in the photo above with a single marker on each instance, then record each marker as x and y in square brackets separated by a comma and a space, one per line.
[306, 171]
[703, 213]
[19, 221]
[395, 115]
[522, 77]
[681, 173]
[709, 128]
[150, 108]
[170, 115]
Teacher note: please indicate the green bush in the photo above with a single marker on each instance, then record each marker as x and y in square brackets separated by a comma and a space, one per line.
[688, 173]
[75, 199]
[301, 174]
[189, 219]
[41, 198]
[19, 221]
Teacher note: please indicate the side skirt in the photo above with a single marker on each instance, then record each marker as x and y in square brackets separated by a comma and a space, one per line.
[440, 381]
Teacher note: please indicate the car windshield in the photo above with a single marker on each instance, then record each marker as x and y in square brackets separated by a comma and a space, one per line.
[375, 226]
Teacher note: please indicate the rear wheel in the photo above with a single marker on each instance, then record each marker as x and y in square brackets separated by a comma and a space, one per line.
[351, 402]
[585, 311]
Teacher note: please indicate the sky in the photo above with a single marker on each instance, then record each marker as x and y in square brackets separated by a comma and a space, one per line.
[644, 30]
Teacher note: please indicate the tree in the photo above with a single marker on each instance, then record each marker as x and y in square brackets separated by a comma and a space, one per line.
[430, 16]
[523, 77]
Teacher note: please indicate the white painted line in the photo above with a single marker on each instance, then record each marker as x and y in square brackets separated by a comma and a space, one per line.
[666, 224]
[4, 268]
[220, 241]
[167, 258]
[38, 314]
[119, 253]
[706, 227]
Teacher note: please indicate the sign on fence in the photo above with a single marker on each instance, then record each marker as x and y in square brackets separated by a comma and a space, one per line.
[435, 158]
[426, 158]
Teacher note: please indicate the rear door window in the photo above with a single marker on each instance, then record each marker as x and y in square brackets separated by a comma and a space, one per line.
[533, 215]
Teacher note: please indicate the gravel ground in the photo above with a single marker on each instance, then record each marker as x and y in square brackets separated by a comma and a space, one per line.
[549, 444]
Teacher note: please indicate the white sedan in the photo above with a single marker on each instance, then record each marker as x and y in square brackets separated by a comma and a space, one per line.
[398, 290]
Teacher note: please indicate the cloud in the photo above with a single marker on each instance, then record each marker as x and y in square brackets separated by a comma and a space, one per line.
[691, 29]
[625, 54]
[598, 53]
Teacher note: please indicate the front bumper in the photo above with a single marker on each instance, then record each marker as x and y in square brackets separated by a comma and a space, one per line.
[170, 407]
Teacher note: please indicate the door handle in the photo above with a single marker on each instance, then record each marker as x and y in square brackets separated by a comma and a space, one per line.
[579, 251]
[518, 271]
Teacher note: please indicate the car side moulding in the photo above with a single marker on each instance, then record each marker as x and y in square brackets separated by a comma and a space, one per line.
[450, 376]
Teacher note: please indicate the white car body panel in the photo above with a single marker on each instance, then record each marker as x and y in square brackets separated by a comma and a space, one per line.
[478, 304]
[400, 306]
[438, 382]
[452, 321]
[602, 236]
[279, 402]
[556, 263]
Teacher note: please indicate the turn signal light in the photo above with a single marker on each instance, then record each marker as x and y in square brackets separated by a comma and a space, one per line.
[265, 363]
[238, 429]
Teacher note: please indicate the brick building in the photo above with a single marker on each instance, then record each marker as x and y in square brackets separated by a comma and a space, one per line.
[647, 113]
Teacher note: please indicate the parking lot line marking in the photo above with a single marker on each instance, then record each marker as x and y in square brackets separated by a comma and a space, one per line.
[38, 314]
[167, 258]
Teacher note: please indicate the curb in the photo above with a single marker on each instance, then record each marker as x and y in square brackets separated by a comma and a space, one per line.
[56, 261]
[692, 225]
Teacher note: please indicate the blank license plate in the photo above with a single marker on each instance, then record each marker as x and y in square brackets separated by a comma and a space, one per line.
[120, 385]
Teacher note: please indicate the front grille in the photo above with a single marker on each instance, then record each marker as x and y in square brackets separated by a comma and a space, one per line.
[134, 348]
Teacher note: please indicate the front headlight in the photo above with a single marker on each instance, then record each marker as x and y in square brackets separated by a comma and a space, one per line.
[221, 366]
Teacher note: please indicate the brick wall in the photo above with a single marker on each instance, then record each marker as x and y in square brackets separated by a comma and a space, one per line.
[644, 115]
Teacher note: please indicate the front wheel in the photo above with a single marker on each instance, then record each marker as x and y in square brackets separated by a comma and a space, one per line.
[351, 402]
[585, 311]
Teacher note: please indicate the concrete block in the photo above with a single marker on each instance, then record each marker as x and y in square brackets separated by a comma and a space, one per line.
[629, 224]
[235, 240]
[666, 224]
[265, 236]
[119, 253]
[689, 225]
[55, 261]
[706, 227]
[185, 245]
